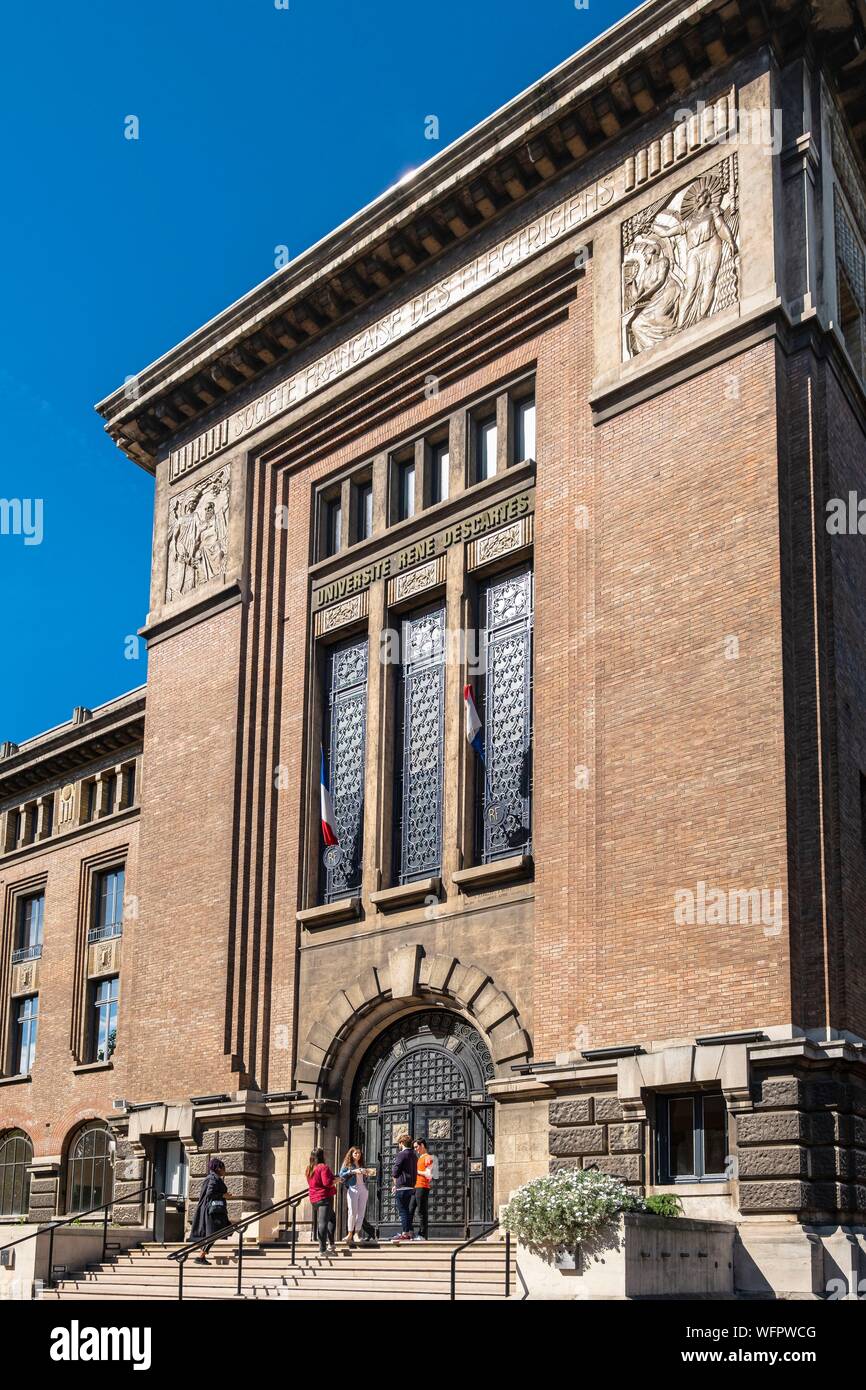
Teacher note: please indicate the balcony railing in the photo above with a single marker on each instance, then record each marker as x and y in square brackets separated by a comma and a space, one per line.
[26, 953]
[111, 929]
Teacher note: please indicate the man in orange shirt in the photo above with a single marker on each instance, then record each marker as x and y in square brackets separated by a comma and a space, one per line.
[422, 1187]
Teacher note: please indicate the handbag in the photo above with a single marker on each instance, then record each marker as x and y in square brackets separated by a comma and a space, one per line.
[217, 1207]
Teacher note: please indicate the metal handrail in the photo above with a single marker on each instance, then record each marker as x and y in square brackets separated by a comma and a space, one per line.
[471, 1241]
[107, 932]
[182, 1255]
[22, 953]
[104, 1207]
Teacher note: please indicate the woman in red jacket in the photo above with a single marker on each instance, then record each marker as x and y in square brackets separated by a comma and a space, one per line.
[323, 1190]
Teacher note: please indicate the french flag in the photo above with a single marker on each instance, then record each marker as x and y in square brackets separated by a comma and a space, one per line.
[474, 736]
[329, 824]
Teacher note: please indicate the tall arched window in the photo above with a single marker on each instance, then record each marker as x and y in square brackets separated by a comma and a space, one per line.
[16, 1152]
[89, 1175]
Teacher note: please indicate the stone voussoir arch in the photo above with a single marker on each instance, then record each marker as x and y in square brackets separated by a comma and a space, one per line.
[411, 974]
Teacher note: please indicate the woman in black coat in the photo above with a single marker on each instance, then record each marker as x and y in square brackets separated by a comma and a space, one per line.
[211, 1213]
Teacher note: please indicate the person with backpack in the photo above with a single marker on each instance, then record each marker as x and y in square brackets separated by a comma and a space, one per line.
[423, 1179]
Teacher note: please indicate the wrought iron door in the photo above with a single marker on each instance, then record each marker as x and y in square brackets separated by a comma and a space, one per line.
[506, 603]
[422, 740]
[425, 1077]
[346, 741]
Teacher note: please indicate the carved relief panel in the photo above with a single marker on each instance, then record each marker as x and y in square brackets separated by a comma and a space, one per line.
[103, 958]
[198, 523]
[681, 259]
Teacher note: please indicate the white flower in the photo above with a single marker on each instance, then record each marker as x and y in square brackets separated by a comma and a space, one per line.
[560, 1211]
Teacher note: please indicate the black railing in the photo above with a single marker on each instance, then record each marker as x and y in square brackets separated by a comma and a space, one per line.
[104, 1207]
[182, 1255]
[27, 953]
[106, 933]
[488, 1230]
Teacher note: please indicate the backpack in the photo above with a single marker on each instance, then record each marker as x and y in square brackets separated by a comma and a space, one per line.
[434, 1171]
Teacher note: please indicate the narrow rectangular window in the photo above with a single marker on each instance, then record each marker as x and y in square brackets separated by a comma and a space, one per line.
[406, 490]
[345, 742]
[505, 778]
[851, 285]
[26, 1025]
[714, 1135]
[365, 511]
[129, 791]
[421, 737]
[681, 1137]
[440, 463]
[31, 915]
[333, 526]
[485, 448]
[692, 1137]
[106, 998]
[108, 905]
[91, 800]
[524, 429]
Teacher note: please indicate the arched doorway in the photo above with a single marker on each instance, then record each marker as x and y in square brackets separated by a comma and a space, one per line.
[426, 1075]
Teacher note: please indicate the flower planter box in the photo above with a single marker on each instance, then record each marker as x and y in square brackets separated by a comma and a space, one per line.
[640, 1256]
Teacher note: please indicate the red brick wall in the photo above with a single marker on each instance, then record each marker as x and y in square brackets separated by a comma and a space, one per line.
[50, 1106]
[846, 466]
[685, 747]
[179, 976]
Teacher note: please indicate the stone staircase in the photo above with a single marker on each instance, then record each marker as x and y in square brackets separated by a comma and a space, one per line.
[416, 1270]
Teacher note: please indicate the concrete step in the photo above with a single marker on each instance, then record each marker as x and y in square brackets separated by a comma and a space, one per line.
[413, 1270]
[228, 1280]
[356, 1262]
[285, 1294]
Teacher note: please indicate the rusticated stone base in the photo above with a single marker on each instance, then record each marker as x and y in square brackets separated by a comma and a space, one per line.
[590, 1131]
[239, 1147]
[130, 1175]
[801, 1149]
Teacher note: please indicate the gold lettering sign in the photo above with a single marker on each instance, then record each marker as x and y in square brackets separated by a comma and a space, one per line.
[467, 529]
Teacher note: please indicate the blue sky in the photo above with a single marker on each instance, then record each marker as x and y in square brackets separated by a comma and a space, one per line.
[258, 127]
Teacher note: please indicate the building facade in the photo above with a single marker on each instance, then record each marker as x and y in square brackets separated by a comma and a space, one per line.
[574, 417]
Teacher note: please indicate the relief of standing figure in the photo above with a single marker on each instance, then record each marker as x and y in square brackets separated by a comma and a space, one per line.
[673, 269]
[197, 548]
[703, 224]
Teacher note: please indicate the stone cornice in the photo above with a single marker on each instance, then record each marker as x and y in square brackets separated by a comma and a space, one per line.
[92, 734]
[635, 69]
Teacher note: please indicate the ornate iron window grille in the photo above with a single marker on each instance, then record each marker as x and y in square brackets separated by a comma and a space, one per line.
[346, 744]
[421, 741]
[506, 608]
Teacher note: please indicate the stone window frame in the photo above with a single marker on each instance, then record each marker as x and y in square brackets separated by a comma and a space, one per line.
[454, 427]
[382, 611]
[500, 568]
[89, 870]
[15, 894]
[661, 1161]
